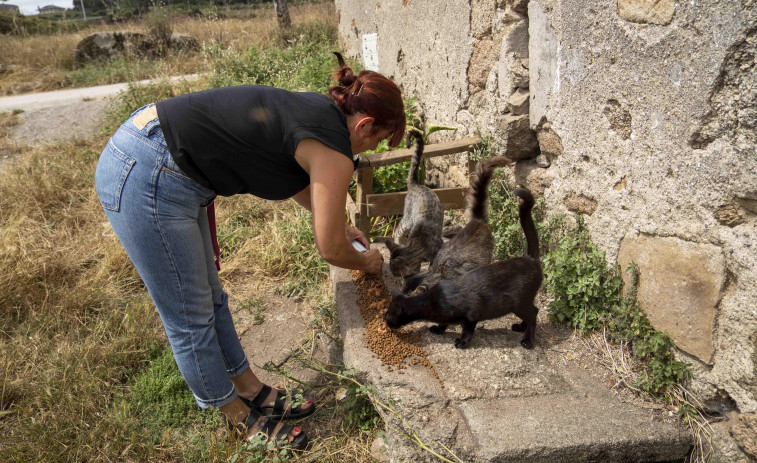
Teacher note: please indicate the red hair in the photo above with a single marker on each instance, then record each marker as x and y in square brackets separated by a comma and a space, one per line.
[372, 94]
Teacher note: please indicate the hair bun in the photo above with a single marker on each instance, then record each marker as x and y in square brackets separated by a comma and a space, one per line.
[344, 75]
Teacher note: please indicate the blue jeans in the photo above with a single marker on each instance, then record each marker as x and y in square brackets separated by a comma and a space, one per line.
[159, 215]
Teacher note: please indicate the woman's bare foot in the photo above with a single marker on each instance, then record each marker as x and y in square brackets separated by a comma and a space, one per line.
[248, 386]
[270, 401]
[241, 417]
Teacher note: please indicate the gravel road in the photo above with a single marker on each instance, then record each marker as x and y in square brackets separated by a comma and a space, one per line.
[65, 114]
[64, 121]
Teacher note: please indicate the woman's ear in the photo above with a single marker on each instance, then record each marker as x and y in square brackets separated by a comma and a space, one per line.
[364, 125]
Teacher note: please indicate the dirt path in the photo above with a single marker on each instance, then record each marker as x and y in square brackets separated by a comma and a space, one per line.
[77, 119]
[65, 114]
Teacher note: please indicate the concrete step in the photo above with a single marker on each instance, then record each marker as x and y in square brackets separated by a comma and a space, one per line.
[496, 401]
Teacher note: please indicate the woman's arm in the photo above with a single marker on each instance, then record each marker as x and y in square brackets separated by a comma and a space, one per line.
[330, 174]
[303, 199]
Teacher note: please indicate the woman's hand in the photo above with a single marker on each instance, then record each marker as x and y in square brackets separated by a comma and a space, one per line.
[375, 261]
[353, 233]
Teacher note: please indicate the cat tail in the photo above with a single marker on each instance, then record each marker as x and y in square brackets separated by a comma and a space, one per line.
[479, 185]
[415, 161]
[527, 222]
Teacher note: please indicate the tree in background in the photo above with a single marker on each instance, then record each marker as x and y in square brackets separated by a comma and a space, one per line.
[282, 13]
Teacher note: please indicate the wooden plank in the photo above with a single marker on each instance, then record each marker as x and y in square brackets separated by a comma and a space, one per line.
[432, 150]
[385, 204]
[364, 188]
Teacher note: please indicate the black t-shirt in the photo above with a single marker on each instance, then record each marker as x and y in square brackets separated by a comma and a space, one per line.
[242, 139]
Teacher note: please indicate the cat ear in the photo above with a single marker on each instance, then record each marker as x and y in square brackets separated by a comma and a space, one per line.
[387, 240]
[421, 289]
[396, 295]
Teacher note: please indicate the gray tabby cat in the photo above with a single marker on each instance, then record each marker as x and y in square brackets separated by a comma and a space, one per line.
[419, 232]
[472, 246]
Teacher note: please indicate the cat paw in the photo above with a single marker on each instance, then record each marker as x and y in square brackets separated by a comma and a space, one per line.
[438, 329]
[527, 343]
[461, 343]
[520, 327]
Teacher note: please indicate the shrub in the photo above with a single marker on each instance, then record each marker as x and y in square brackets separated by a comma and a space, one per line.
[304, 64]
[588, 295]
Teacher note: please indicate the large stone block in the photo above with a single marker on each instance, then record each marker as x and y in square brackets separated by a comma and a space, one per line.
[519, 140]
[647, 11]
[543, 63]
[484, 53]
[679, 288]
[108, 45]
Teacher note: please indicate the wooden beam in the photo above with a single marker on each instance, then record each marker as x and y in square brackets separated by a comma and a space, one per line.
[352, 211]
[432, 150]
[364, 188]
[384, 204]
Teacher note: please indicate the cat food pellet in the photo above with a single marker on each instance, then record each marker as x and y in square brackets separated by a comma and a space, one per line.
[395, 348]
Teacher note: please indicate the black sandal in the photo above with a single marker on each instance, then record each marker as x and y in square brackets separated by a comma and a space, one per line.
[277, 412]
[265, 430]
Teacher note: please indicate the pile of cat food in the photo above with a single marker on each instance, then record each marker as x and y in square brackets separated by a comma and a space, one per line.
[395, 348]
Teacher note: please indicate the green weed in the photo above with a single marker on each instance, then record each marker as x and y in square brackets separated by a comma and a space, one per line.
[258, 450]
[305, 63]
[588, 295]
[256, 307]
[509, 240]
[161, 398]
[357, 406]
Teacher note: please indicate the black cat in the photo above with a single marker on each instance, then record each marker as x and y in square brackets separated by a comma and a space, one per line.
[419, 233]
[470, 247]
[487, 292]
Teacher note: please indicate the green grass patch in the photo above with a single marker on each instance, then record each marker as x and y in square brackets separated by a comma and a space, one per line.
[124, 69]
[306, 271]
[161, 398]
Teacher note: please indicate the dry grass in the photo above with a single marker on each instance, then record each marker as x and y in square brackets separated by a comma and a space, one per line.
[72, 313]
[77, 326]
[619, 364]
[44, 63]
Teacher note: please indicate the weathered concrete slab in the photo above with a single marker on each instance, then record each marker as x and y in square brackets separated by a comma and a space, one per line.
[496, 401]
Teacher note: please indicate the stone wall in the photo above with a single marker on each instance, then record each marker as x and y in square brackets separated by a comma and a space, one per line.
[466, 62]
[639, 114]
[654, 104]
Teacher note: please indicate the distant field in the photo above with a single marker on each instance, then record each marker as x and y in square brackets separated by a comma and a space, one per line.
[38, 63]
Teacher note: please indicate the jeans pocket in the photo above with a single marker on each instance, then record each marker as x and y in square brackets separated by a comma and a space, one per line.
[112, 169]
